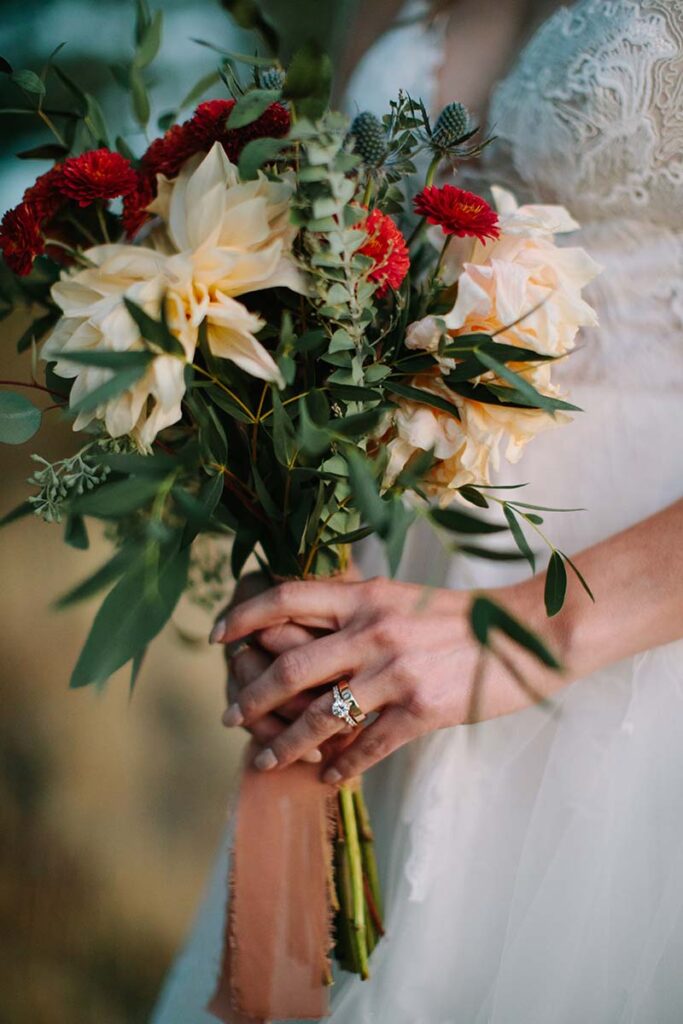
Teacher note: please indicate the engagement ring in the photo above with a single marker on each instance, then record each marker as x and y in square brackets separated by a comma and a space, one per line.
[345, 706]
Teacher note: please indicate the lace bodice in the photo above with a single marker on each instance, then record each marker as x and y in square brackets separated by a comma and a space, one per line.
[592, 113]
[591, 116]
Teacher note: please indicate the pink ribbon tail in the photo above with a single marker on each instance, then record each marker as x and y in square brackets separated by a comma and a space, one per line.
[278, 924]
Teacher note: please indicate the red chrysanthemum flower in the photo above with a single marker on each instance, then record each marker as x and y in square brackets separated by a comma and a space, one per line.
[135, 206]
[387, 247]
[21, 238]
[168, 154]
[274, 123]
[45, 196]
[208, 125]
[97, 174]
[457, 212]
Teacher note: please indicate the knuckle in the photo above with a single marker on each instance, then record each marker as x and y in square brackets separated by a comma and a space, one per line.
[316, 717]
[386, 632]
[374, 745]
[374, 588]
[250, 706]
[418, 705]
[285, 593]
[405, 674]
[289, 668]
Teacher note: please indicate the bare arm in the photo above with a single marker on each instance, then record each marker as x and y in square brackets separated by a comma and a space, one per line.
[637, 579]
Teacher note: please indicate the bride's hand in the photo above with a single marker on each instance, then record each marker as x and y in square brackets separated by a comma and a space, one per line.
[407, 650]
[249, 660]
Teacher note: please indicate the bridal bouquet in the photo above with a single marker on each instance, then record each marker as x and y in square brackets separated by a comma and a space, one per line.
[273, 324]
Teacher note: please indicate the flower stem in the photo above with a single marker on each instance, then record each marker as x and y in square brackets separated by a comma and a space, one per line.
[431, 171]
[356, 912]
[368, 191]
[102, 222]
[78, 256]
[368, 851]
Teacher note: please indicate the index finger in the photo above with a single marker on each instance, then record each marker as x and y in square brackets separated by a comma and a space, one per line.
[320, 604]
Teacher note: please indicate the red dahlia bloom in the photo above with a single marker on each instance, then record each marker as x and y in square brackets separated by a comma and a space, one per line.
[45, 195]
[457, 212]
[167, 154]
[273, 123]
[97, 174]
[387, 247]
[208, 125]
[21, 239]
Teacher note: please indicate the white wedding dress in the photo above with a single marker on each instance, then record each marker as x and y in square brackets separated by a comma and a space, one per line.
[533, 865]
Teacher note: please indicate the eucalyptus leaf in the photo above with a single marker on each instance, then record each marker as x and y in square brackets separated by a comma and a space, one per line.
[108, 360]
[110, 389]
[471, 494]
[29, 82]
[486, 615]
[309, 81]
[112, 500]
[579, 576]
[131, 616]
[150, 41]
[19, 418]
[373, 508]
[459, 521]
[75, 533]
[155, 331]
[250, 107]
[139, 97]
[555, 584]
[519, 537]
[256, 153]
[423, 397]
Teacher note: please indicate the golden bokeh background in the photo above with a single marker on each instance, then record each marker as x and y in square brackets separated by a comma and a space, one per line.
[111, 805]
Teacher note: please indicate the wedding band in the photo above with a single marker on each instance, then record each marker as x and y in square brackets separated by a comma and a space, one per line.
[345, 706]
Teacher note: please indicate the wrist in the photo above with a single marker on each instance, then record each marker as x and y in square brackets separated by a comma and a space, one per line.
[526, 602]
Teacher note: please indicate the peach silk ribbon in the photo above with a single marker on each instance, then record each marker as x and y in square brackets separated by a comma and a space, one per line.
[278, 919]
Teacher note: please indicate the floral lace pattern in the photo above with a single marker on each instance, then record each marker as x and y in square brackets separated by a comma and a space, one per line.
[591, 116]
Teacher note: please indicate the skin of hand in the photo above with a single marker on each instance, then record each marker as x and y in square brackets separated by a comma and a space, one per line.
[409, 652]
[249, 660]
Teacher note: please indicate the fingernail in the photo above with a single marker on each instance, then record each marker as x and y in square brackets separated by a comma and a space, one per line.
[265, 760]
[332, 776]
[233, 716]
[217, 632]
[312, 757]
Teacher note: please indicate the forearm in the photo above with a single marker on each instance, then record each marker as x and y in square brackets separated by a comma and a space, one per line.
[637, 579]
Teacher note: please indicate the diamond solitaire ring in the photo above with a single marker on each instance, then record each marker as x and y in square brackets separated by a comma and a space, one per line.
[345, 705]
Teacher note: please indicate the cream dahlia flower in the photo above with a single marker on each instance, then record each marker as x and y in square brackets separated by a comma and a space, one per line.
[217, 239]
[525, 274]
[503, 281]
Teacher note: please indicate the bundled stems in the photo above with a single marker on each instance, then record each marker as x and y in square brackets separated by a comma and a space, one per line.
[358, 892]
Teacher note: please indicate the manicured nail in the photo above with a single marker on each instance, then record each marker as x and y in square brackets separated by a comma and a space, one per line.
[233, 716]
[265, 760]
[312, 757]
[332, 776]
[217, 632]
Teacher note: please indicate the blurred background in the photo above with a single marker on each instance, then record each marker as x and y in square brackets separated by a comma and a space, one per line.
[111, 805]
